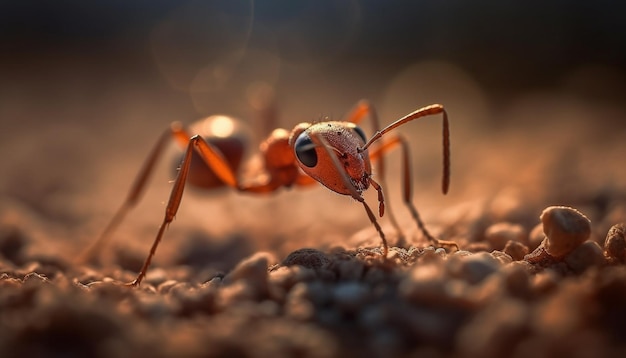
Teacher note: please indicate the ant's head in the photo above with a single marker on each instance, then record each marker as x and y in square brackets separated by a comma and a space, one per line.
[345, 140]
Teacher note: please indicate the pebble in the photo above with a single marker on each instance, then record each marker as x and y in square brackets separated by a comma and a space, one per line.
[540, 256]
[154, 307]
[499, 234]
[441, 252]
[247, 281]
[516, 250]
[350, 296]
[191, 300]
[156, 276]
[424, 284]
[427, 285]
[544, 282]
[478, 246]
[586, 255]
[565, 228]
[615, 243]
[35, 278]
[7, 282]
[252, 270]
[287, 276]
[283, 278]
[110, 289]
[474, 268]
[502, 257]
[235, 293]
[309, 258]
[166, 286]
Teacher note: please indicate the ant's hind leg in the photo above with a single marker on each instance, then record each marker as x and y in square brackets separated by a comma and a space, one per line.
[134, 194]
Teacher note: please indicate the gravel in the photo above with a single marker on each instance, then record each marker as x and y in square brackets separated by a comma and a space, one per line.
[565, 298]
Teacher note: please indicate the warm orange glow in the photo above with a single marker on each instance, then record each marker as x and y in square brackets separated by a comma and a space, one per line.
[220, 126]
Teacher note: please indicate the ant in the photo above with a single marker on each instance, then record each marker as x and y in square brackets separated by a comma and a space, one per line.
[333, 153]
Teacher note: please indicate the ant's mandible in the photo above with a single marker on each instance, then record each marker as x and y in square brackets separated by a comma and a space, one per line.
[333, 153]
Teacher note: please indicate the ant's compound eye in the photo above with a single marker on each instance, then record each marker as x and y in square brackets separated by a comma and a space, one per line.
[361, 134]
[305, 150]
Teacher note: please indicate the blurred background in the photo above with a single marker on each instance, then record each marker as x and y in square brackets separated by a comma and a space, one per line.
[535, 93]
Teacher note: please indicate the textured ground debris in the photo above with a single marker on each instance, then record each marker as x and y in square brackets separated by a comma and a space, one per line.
[512, 290]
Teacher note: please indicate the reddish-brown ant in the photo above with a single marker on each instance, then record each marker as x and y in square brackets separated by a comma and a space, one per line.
[333, 153]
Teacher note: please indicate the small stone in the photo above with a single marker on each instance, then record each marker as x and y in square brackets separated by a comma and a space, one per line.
[252, 273]
[429, 256]
[309, 258]
[479, 246]
[499, 234]
[192, 300]
[503, 257]
[544, 282]
[462, 253]
[587, 255]
[35, 278]
[350, 296]
[179, 288]
[282, 279]
[156, 276]
[165, 286]
[253, 268]
[441, 252]
[7, 282]
[516, 250]
[474, 268]
[424, 284]
[615, 243]
[540, 256]
[234, 294]
[566, 228]
[155, 307]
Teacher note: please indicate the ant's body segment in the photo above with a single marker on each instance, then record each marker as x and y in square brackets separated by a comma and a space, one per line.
[336, 154]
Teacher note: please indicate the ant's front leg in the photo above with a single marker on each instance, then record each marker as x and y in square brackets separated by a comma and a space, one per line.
[365, 109]
[407, 191]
